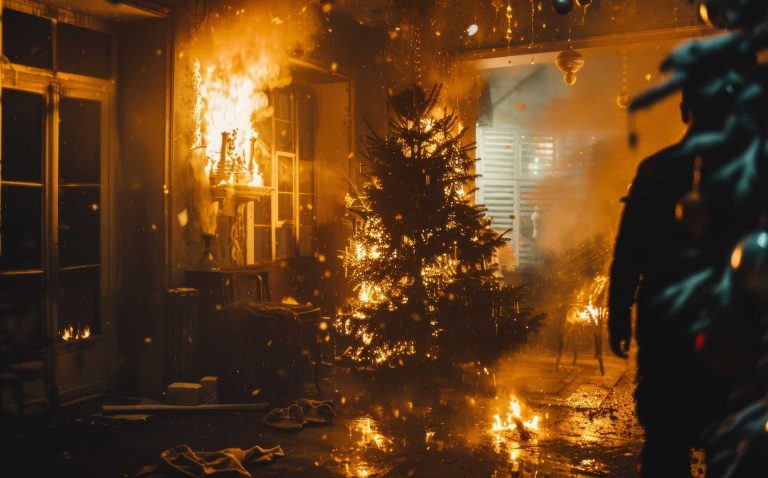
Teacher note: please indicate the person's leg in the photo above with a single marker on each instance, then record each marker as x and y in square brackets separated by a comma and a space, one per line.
[664, 456]
[663, 411]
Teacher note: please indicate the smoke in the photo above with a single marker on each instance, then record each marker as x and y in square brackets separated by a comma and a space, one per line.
[582, 199]
[236, 52]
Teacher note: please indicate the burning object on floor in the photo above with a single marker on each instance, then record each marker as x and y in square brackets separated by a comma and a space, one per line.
[515, 421]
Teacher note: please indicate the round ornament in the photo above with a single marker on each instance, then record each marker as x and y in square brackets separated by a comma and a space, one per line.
[562, 7]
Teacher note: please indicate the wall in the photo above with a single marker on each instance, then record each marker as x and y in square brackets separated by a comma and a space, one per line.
[141, 202]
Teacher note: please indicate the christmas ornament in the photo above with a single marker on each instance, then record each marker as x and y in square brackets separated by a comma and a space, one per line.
[562, 6]
[569, 62]
[749, 261]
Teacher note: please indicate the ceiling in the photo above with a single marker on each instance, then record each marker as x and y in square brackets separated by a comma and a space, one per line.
[113, 10]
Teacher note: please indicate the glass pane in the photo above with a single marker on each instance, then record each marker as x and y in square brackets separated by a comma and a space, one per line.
[306, 209]
[307, 121]
[285, 173]
[307, 240]
[79, 140]
[262, 211]
[79, 226]
[284, 106]
[284, 207]
[21, 310]
[83, 51]
[284, 136]
[306, 176]
[78, 300]
[23, 136]
[27, 39]
[21, 229]
[262, 243]
[286, 243]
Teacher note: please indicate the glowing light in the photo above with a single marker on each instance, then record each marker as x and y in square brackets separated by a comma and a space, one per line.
[472, 29]
[69, 333]
[736, 257]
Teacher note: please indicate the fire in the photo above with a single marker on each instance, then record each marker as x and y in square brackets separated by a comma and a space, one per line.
[514, 419]
[70, 333]
[231, 99]
[593, 309]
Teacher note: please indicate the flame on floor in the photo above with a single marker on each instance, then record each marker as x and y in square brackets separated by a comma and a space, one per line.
[514, 419]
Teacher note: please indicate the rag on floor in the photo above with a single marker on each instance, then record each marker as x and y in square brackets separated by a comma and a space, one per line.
[227, 463]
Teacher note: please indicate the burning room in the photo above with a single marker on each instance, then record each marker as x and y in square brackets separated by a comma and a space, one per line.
[384, 238]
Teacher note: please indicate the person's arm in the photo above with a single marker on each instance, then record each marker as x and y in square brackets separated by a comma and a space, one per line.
[625, 271]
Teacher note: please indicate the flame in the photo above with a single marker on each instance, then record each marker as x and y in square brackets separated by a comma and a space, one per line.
[514, 418]
[591, 312]
[231, 97]
[70, 333]
[289, 300]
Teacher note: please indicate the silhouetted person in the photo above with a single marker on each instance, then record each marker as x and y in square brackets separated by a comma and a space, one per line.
[676, 398]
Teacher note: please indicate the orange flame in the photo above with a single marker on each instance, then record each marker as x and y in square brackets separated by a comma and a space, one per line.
[231, 97]
[69, 333]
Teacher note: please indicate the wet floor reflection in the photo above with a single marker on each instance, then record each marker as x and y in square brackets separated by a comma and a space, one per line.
[365, 455]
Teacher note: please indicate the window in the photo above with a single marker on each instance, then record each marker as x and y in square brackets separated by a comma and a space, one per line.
[513, 165]
[51, 180]
[279, 220]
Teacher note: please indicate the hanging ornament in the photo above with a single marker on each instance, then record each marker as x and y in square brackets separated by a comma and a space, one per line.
[749, 261]
[691, 209]
[569, 62]
[562, 7]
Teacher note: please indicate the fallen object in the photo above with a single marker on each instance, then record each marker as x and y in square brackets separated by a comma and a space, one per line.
[289, 418]
[301, 413]
[159, 407]
[231, 462]
[184, 393]
[317, 411]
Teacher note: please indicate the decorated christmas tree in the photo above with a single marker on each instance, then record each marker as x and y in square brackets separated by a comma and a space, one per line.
[420, 259]
[722, 304]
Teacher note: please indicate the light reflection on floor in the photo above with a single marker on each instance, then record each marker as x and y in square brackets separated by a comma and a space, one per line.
[366, 455]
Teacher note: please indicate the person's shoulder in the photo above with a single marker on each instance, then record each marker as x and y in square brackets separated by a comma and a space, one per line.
[659, 163]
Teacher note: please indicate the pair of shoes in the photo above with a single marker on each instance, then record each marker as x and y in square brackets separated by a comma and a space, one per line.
[301, 413]
[317, 411]
[289, 418]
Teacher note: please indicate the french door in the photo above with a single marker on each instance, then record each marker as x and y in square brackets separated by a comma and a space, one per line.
[54, 225]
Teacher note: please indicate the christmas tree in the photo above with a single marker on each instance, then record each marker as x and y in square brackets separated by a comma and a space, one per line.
[420, 257]
[723, 303]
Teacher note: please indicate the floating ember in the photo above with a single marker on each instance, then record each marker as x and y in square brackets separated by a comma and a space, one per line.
[70, 333]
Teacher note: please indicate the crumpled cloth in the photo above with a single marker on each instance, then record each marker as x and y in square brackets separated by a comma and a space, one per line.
[226, 463]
